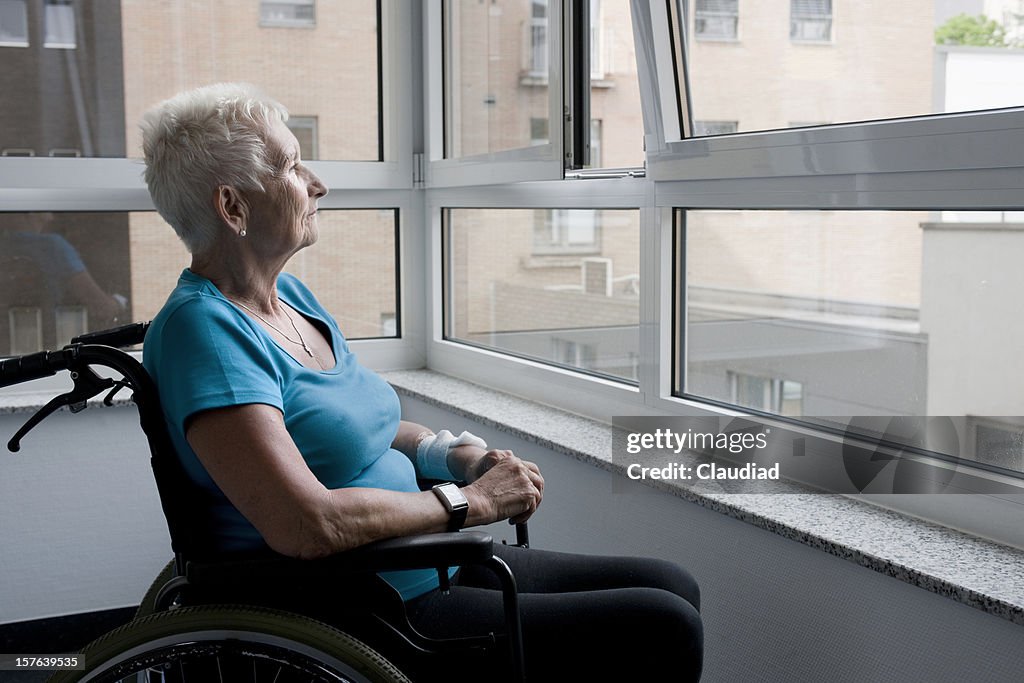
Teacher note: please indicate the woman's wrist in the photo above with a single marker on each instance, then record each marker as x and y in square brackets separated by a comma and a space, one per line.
[440, 456]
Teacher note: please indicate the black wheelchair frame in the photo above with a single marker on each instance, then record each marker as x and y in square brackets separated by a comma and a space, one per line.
[179, 605]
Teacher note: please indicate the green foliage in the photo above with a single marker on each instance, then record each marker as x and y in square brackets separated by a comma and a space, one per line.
[964, 29]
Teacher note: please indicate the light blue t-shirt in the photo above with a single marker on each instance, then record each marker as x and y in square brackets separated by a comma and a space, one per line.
[204, 353]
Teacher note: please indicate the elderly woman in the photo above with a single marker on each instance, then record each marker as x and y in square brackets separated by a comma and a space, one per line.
[297, 447]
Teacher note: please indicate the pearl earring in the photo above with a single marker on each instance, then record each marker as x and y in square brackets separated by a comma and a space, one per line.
[242, 233]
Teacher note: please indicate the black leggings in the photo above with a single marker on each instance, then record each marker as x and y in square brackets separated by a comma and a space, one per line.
[584, 617]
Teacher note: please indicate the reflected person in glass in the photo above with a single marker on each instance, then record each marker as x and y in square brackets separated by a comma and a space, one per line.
[299, 449]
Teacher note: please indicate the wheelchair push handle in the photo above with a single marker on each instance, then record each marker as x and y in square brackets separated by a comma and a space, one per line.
[118, 337]
[34, 366]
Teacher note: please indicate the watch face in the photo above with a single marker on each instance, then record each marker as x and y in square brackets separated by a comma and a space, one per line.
[453, 495]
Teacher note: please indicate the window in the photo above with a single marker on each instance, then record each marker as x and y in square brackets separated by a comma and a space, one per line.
[810, 20]
[494, 103]
[716, 19]
[537, 40]
[60, 24]
[304, 128]
[126, 60]
[13, 23]
[599, 62]
[616, 121]
[562, 231]
[64, 273]
[18, 152]
[703, 128]
[767, 394]
[559, 307]
[288, 13]
[781, 81]
[838, 314]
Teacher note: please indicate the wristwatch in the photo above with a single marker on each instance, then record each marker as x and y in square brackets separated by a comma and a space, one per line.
[454, 502]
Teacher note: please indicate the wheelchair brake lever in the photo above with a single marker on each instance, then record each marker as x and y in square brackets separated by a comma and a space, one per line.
[108, 400]
[87, 385]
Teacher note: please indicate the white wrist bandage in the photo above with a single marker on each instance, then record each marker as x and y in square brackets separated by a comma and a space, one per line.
[432, 453]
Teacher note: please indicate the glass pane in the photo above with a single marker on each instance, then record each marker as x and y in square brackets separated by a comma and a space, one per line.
[556, 285]
[60, 24]
[496, 75]
[62, 274]
[124, 57]
[13, 23]
[766, 65]
[616, 125]
[821, 314]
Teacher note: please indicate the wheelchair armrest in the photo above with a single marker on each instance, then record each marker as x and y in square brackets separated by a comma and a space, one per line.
[425, 551]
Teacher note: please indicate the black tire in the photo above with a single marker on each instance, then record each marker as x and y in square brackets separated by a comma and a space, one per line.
[148, 604]
[190, 642]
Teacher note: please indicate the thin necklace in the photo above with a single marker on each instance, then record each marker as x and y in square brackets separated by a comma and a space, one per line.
[301, 342]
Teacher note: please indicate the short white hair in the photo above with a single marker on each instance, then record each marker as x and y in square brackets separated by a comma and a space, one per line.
[200, 139]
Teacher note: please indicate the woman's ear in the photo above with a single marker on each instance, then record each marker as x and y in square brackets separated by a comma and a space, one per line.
[231, 208]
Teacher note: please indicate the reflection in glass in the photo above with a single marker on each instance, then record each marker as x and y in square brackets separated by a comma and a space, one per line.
[61, 274]
[557, 285]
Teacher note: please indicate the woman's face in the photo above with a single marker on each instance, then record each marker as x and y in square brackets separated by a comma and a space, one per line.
[283, 218]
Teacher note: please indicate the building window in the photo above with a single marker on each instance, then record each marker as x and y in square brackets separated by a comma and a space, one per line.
[768, 394]
[555, 285]
[561, 231]
[60, 24]
[705, 128]
[18, 152]
[810, 20]
[65, 152]
[596, 131]
[598, 68]
[13, 23]
[537, 60]
[288, 13]
[716, 19]
[305, 130]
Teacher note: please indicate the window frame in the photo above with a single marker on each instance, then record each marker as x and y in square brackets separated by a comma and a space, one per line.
[116, 184]
[908, 163]
[538, 162]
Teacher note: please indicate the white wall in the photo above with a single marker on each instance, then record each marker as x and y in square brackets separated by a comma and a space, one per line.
[80, 524]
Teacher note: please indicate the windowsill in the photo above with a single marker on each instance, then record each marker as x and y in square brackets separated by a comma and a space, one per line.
[976, 572]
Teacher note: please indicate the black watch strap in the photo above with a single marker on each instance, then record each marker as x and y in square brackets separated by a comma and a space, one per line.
[454, 502]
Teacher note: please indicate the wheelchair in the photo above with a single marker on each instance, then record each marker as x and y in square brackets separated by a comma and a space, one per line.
[262, 617]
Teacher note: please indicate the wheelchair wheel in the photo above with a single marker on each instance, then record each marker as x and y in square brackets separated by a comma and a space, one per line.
[229, 643]
[148, 604]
